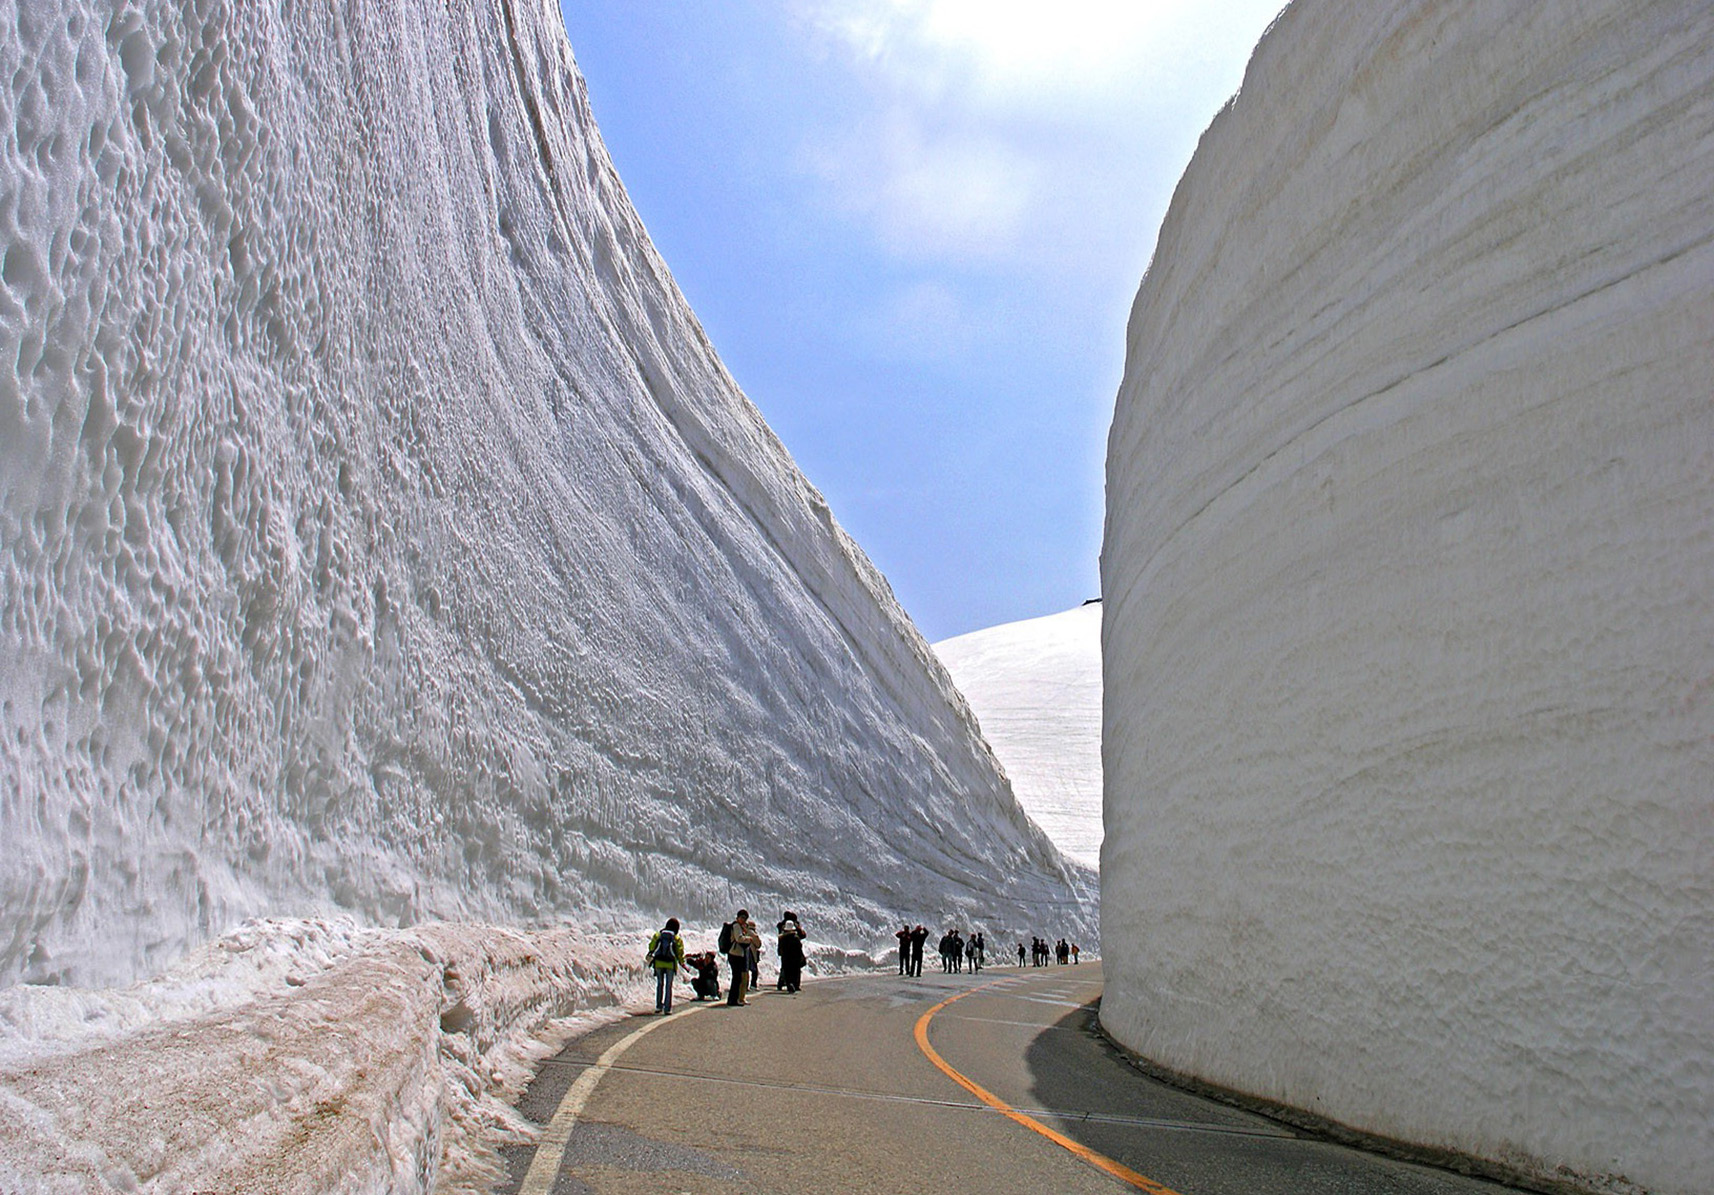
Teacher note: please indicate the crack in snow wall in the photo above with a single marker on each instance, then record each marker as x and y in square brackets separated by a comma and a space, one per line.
[379, 532]
[1409, 580]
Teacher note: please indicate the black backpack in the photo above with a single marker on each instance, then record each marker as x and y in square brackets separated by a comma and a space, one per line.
[664, 948]
[726, 938]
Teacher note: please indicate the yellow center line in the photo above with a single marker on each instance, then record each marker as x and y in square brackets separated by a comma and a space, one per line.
[1100, 1161]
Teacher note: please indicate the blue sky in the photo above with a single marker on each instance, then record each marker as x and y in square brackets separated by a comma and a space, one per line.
[913, 230]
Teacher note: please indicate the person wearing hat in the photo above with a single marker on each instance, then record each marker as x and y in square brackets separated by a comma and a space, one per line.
[791, 952]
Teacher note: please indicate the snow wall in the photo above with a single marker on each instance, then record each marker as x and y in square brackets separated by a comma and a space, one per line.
[1409, 581]
[1036, 688]
[380, 534]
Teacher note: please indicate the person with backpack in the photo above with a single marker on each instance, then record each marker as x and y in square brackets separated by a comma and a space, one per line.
[739, 941]
[666, 955]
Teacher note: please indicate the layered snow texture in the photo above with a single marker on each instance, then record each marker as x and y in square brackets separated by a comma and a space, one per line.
[379, 533]
[1036, 688]
[298, 1056]
[1409, 581]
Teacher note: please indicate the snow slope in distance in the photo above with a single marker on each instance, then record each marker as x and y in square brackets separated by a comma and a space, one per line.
[1036, 688]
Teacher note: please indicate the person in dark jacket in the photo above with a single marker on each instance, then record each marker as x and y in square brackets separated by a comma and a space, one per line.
[791, 952]
[919, 936]
[904, 937]
[705, 975]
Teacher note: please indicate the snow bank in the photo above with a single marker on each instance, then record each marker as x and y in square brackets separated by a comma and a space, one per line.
[1035, 686]
[308, 1056]
[1409, 580]
[380, 535]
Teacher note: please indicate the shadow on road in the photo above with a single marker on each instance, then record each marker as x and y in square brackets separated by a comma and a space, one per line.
[1094, 1095]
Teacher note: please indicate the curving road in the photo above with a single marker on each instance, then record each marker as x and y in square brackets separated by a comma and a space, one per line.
[831, 1090]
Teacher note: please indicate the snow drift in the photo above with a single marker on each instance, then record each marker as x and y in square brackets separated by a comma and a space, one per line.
[382, 536]
[1409, 580]
[298, 1056]
[1036, 688]
[1407, 566]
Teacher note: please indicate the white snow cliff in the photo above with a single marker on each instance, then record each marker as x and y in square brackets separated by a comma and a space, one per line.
[1409, 581]
[380, 534]
[1036, 688]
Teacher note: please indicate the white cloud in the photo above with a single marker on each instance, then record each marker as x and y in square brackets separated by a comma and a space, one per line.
[951, 194]
[1026, 51]
[986, 128]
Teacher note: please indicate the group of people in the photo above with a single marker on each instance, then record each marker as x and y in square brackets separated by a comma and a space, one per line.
[910, 948]
[741, 944]
[1041, 952]
[958, 951]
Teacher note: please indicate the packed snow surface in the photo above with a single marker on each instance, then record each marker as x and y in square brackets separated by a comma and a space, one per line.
[382, 543]
[1036, 688]
[298, 1056]
[1409, 581]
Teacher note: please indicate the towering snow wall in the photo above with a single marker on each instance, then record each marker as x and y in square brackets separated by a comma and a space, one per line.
[1036, 688]
[381, 533]
[1409, 580]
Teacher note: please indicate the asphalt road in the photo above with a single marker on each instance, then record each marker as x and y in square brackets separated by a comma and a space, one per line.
[829, 1090]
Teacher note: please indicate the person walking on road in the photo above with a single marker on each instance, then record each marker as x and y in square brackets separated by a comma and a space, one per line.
[904, 937]
[791, 952]
[744, 943]
[666, 954]
[919, 936]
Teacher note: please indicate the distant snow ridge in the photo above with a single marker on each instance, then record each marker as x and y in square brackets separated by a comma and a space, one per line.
[1036, 688]
[1409, 581]
[379, 533]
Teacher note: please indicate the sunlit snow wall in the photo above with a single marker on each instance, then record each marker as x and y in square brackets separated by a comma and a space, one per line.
[380, 533]
[1409, 579]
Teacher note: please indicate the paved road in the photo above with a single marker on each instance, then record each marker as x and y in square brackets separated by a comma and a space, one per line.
[830, 1091]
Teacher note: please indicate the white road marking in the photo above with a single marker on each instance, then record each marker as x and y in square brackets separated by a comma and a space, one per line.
[544, 1167]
